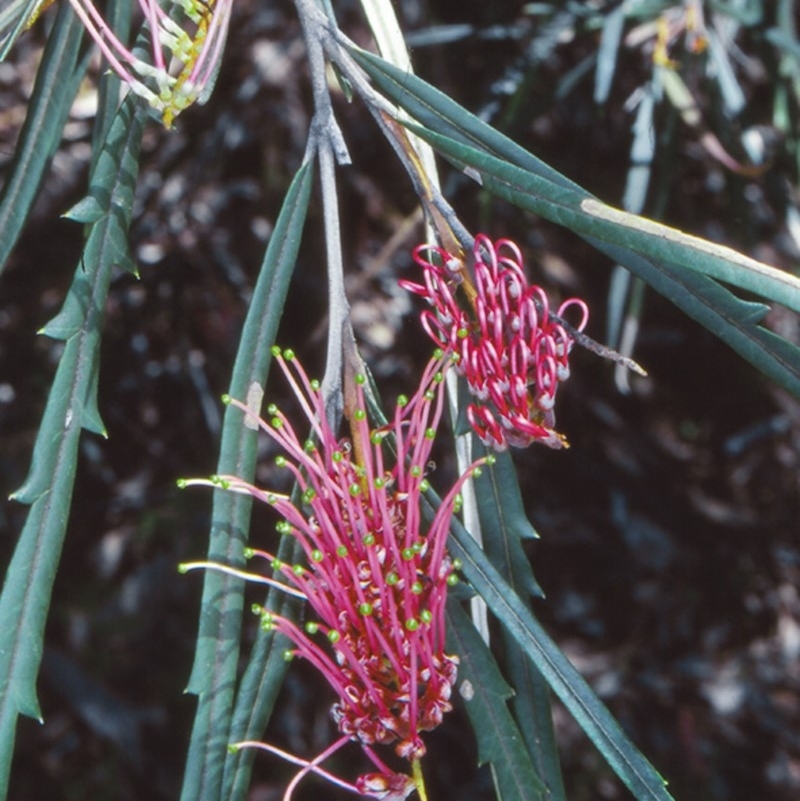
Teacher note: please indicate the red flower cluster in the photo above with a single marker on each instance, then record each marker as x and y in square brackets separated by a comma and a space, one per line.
[510, 349]
[375, 575]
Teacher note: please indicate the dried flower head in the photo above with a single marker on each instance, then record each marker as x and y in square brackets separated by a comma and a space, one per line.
[375, 573]
[187, 38]
[512, 351]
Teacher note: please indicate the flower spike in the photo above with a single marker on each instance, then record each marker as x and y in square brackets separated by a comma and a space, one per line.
[195, 42]
[512, 351]
[375, 575]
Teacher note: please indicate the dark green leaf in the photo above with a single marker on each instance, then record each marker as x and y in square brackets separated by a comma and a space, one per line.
[503, 525]
[485, 695]
[216, 661]
[260, 684]
[15, 16]
[598, 723]
[57, 82]
[648, 255]
[489, 151]
[71, 405]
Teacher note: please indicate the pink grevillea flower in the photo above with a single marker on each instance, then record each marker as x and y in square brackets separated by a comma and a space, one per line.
[509, 347]
[187, 38]
[375, 574]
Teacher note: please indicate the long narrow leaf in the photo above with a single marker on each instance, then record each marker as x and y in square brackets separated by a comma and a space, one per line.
[15, 16]
[504, 525]
[71, 406]
[598, 723]
[214, 671]
[260, 684]
[489, 150]
[57, 82]
[649, 255]
[485, 695]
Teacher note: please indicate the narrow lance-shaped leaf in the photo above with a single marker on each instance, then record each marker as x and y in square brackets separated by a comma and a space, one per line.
[490, 151]
[485, 695]
[504, 525]
[216, 661]
[57, 82]
[261, 682]
[733, 320]
[590, 713]
[15, 16]
[71, 405]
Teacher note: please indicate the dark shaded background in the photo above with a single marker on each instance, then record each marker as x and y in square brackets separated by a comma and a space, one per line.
[669, 546]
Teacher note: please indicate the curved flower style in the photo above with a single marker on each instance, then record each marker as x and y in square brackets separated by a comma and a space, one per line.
[169, 91]
[375, 575]
[511, 350]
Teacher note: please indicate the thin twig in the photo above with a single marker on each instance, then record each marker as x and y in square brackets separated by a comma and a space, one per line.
[331, 149]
